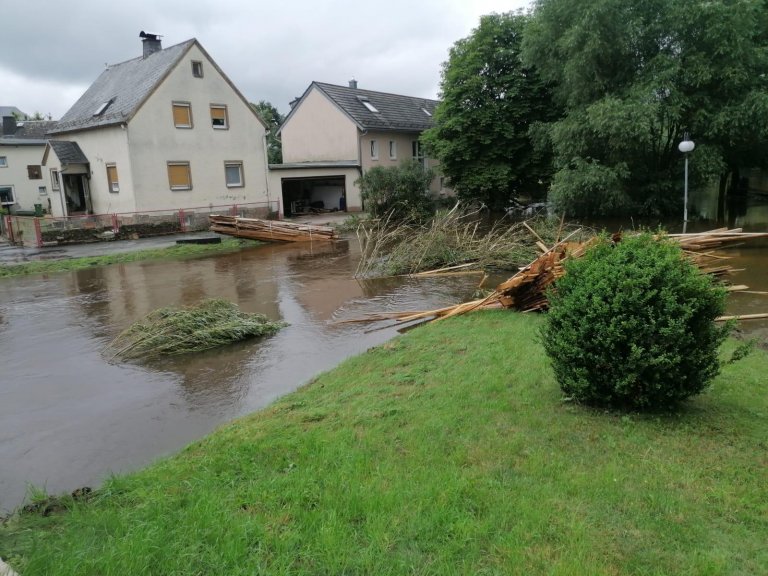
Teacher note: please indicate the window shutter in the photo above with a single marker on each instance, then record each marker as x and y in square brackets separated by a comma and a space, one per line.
[179, 176]
[182, 115]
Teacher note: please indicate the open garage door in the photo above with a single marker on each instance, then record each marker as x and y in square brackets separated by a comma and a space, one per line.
[314, 195]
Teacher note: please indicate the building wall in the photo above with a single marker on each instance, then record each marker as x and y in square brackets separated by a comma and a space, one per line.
[319, 131]
[105, 146]
[154, 141]
[354, 201]
[404, 151]
[26, 192]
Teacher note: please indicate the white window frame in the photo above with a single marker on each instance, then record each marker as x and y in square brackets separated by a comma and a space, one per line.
[42, 191]
[416, 151]
[55, 180]
[188, 106]
[114, 186]
[226, 116]
[374, 150]
[234, 164]
[393, 149]
[13, 195]
[180, 163]
[3, 161]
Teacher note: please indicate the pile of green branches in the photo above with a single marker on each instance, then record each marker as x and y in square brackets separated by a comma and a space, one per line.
[171, 331]
[453, 237]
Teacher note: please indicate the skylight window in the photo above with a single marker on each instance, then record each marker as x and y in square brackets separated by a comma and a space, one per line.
[427, 112]
[101, 109]
[367, 103]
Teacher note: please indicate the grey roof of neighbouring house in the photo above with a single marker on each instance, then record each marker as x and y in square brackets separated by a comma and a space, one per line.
[28, 133]
[395, 111]
[68, 152]
[125, 86]
[11, 111]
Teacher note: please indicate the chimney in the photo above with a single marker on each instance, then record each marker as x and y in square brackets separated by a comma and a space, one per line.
[9, 125]
[150, 43]
[353, 84]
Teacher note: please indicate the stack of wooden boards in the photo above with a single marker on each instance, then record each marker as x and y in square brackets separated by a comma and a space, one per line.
[270, 230]
[526, 290]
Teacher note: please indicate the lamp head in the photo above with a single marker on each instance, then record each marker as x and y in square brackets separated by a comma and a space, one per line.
[686, 145]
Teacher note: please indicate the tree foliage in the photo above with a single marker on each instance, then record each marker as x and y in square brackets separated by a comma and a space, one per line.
[273, 119]
[633, 77]
[402, 191]
[489, 102]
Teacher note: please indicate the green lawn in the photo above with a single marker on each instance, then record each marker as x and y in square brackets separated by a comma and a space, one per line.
[446, 451]
[176, 252]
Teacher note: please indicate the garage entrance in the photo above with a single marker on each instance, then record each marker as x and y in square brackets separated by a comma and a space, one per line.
[314, 195]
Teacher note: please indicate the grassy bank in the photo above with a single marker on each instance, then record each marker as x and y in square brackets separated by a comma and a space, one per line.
[170, 253]
[446, 451]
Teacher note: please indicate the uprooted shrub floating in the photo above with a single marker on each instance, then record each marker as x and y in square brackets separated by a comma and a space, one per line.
[171, 331]
[632, 324]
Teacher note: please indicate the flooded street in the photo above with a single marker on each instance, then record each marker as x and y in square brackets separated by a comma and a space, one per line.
[68, 417]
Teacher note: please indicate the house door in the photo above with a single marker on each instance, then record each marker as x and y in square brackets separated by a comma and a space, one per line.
[76, 194]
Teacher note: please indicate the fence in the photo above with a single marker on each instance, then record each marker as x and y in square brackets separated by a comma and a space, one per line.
[39, 232]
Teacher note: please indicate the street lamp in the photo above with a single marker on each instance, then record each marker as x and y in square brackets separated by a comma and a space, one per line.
[686, 146]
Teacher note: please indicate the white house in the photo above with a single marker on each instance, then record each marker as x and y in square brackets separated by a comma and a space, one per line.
[165, 131]
[23, 181]
[334, 134]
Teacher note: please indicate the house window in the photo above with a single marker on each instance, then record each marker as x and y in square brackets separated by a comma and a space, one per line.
[6, 195]
[179, 176]
[367, 103]
[55, 184]
[374, 150]
[3, 162]
[182, 115]
[233, 174]
[103, 107]
[35, 172]
[112, 182]
[42, 190]
[219, 117]
[417, 152]
[392, 150]
[197, 69]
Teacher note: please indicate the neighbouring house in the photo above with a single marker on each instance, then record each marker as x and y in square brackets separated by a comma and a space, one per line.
[25, 187]
[333, 134]
[165, 131]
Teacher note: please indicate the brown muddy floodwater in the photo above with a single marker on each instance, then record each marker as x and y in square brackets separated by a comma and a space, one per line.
[68, 418]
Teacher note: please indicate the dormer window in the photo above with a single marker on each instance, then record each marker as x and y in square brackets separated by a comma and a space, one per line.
[367, 103]
[197, 69]
[101, 109]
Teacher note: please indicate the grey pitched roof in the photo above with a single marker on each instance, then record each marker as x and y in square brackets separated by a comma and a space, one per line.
[125, 86]
[11, 111]
[68, 152]
[31, 129]
[395, 112]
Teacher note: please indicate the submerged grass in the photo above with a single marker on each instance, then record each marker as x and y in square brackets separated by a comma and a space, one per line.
[171, 253]
[452, 237]
[172, 331]
[446, 451]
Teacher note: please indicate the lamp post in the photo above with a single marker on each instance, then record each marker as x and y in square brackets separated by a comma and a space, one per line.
[685, 147]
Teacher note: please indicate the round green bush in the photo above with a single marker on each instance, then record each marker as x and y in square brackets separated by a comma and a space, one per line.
[631, 325]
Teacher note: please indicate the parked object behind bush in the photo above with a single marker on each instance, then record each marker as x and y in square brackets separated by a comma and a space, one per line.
[632, 325]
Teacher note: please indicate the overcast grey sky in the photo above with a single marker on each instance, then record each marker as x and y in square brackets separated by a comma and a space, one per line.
[51, 50]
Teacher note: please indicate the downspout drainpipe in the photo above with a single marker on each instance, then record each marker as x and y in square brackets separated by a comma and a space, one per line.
[360, 163]
[266, 176]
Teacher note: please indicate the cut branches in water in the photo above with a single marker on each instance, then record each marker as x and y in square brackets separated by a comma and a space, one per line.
[172, 331]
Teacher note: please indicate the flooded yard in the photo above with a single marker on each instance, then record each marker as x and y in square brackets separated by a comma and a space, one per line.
[69, 418]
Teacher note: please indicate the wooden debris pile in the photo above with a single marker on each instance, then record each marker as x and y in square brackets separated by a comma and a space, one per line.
[526, 290]
[270, 230]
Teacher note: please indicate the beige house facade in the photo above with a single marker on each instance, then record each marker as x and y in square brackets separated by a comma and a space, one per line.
[336, 133]
[25, 187]
[162, 132]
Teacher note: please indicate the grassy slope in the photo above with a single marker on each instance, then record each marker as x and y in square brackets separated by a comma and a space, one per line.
[447, 451]
[170, 253]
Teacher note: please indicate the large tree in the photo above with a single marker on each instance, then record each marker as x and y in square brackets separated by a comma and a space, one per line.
[273, 119]
[633, 78]
[489, 102]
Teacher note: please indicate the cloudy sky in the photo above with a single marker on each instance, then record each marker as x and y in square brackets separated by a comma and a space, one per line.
[51, 50]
